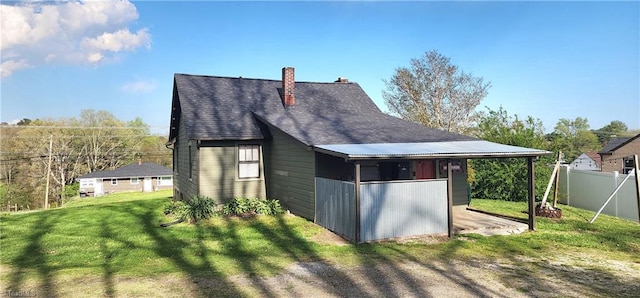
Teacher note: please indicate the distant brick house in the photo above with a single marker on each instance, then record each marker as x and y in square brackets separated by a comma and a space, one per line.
[613, 155]
[144, 177]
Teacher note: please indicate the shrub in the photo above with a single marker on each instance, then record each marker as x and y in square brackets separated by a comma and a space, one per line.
[172, 209]
[71, 190]
[197, 208]
[241, 206]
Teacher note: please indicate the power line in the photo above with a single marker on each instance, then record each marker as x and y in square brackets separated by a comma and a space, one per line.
[78, 136]
[111, 155]
[80, 127]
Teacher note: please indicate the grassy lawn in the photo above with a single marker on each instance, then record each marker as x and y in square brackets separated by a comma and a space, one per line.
[118, 237]
[610, 236]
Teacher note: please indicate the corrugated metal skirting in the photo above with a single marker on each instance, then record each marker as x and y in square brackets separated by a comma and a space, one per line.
[402, 209]
[336, 206]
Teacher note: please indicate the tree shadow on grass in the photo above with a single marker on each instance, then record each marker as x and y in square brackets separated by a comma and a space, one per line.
[172, 248]
[543, 275]
[34, 257]
[237, 246]
[442, 265]
[106, 234]
[298, 248]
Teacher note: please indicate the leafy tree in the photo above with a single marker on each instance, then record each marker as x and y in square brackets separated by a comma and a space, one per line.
[573, 138]
[66, 159]
[95, 141]
[614, 129]
[10, 160]
[436, 93]
[24, 121]
[506, 178]
[153, 149]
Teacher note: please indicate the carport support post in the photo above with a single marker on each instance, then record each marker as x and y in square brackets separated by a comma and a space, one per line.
[357, 191]
[450, 197]
[636, 171]
[532, 193]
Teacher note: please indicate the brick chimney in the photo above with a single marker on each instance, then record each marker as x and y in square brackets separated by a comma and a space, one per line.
[288, 87]
[342, 80]
[139, 161]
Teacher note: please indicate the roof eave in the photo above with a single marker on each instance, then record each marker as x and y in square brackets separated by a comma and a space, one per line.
[433, 156]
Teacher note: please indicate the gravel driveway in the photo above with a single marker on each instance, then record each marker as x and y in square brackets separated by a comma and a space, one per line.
[452, 279]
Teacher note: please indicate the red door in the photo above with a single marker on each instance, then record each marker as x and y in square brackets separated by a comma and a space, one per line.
[425, 169]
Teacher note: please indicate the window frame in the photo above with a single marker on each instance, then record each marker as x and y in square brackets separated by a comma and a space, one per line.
[114, 181]
[137, 180]
[176, 159]
[190, 163]
[254, 153]
[164, 178]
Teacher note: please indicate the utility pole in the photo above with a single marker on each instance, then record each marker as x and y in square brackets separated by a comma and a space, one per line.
[46, 194]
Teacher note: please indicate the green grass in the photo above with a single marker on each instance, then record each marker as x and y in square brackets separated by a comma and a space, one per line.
[123, 231]
[608, 235]
[120, 235]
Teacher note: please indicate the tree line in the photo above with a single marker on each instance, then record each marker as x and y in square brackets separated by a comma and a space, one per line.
[438, 94]
[63, 149]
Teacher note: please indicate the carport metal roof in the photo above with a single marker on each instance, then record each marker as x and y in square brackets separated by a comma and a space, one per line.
[455, 149]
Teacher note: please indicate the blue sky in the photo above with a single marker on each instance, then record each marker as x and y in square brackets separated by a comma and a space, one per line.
[549, 60]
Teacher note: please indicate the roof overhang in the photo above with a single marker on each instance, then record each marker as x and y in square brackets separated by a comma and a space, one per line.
[428, 150]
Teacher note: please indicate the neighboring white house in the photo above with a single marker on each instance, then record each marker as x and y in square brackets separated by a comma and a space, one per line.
[589, 161]
[134, 177]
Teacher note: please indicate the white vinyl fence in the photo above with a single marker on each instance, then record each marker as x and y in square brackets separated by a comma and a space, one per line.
[590, 189]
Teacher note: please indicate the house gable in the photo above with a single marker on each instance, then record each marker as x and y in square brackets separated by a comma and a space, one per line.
[589, 161]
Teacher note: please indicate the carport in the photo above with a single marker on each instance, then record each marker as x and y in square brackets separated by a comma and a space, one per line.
[364, 210]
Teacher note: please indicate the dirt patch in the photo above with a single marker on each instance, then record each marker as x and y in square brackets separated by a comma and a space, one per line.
[330, 238]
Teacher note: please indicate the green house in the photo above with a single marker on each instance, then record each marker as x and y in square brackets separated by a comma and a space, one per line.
[324, 149]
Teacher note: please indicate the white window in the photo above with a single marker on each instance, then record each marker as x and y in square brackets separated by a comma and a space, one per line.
[164, 181]
[248, 161]
[86, 183]
[114, 181]
[134, 181]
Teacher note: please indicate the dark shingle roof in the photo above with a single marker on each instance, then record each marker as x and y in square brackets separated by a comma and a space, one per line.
[216, 108]
[613, 144]
[147, 169]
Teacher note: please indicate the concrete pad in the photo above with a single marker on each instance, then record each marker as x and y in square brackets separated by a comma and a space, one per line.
[467, 221]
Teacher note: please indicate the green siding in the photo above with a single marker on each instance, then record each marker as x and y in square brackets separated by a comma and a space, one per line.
[218, 172]
[291, 174]
[460, 192]
[184, 186]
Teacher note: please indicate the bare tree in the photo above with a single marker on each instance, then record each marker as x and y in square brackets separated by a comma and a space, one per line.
[107, 142]
[96, 141]
[436, 93]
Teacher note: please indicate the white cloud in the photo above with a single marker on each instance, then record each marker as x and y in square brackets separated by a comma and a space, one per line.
[94, 57]
[118, 41]
[8, 67]
[67, 32]
[140, 86]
